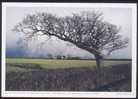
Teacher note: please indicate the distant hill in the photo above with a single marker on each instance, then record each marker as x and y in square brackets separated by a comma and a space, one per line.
[15, 52]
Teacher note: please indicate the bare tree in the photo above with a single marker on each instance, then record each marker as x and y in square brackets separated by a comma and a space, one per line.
[86, 30]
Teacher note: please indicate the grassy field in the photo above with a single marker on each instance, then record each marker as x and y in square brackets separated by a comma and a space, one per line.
[15, 64]
[24, 74]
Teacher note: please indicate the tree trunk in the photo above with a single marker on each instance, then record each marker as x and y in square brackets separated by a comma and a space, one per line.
[99, 63]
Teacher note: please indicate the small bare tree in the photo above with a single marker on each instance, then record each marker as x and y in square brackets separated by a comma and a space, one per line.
[86, 30]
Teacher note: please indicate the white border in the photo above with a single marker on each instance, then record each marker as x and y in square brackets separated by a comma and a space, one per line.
[70, 93]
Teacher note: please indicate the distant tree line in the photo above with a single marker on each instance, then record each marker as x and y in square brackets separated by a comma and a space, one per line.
[49, 56]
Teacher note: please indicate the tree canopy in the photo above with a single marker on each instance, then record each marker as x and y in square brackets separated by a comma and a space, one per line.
[86, 30]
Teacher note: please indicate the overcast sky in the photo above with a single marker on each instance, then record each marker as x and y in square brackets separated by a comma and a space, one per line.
[118, 16]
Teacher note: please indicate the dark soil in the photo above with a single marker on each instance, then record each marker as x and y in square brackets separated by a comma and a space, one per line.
[115, 78]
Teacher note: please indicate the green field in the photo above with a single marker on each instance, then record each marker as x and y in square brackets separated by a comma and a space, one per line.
[15, 64]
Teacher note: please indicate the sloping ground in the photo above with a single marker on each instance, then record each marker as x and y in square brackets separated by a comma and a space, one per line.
[113, 78]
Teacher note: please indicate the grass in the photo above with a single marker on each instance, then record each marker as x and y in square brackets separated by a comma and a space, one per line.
[15, 64]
